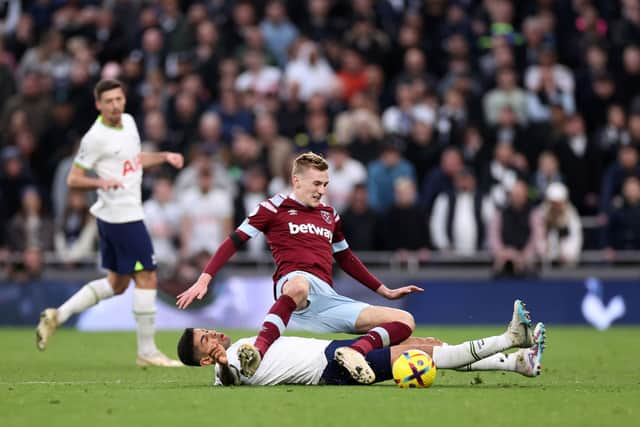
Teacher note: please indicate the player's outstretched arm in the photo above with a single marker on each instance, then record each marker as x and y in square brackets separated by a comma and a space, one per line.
[148, 160]
[226, 250]
[398, 292]
[352, 265]
[78, 180]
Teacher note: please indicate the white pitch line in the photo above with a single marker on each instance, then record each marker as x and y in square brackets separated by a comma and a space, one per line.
[109, 382]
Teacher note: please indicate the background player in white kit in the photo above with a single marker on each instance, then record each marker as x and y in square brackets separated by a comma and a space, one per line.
[295, 360]
[111, 148]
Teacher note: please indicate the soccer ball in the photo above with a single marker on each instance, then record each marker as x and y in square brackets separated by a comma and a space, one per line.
[414, 369]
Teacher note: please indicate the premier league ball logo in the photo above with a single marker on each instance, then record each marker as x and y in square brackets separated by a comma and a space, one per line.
[326, 216]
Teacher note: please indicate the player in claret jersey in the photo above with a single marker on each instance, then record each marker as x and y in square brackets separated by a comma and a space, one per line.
[305, 236]
[111, 148]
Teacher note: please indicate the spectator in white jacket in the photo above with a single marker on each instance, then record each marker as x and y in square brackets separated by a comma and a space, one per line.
[561, 225]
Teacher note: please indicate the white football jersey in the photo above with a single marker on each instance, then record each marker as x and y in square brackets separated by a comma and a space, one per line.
[290, 360]
[113, 153]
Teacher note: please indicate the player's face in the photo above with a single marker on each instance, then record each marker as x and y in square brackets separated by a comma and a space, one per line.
[206, 339]
[310, 185]
[111, 105]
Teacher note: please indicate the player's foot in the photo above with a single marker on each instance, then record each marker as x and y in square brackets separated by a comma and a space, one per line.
[519, 329]
[529, 360]
[250, 359]
[46, 327]
[355, 363]
[157, 359]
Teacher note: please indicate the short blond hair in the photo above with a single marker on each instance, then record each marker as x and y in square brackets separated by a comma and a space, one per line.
[309, 160]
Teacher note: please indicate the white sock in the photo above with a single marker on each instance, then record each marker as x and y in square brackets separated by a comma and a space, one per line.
[456, 356]
[144, 310]
[88, 295]
[497, 362]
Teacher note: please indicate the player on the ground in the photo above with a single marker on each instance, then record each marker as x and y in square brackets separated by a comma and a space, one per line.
[303, 234]
[294, 360]
[111, 148]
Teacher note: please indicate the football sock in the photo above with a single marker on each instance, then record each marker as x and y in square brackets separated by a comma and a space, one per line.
[275, 323]
[497, 362]
[456, 356]
[383, 335]
[87, 296]
[144, 310]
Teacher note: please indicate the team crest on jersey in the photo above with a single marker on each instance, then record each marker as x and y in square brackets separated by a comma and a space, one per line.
[293, 212]
[326, 216]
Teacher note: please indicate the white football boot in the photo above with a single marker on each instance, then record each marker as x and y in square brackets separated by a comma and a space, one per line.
[529, 360]
[250, 360]
[157, 359]
[355, 363]
[519, 330]
[46, 327]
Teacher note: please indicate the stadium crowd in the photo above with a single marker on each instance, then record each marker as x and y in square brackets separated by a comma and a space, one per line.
[451, 126]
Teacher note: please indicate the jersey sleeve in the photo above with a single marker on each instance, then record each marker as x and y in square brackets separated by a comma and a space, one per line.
[339, 242]
[88, 153]
[259, 219]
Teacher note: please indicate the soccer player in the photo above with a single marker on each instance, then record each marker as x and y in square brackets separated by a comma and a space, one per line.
[303, 234]
[294, 360]
[111, 148]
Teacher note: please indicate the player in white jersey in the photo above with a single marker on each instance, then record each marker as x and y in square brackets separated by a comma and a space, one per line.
[295, 360]
[111, 148]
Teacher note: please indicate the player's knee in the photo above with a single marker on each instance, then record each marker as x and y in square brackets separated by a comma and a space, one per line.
[297, 290]
[407, 319]
[119, 288]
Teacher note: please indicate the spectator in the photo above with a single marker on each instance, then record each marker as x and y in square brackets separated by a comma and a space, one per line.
[258, 77]
[345, 173]
[279, 32]
[422, 148]
[547, 173]
[76, 234]
[579, 165]
[630, 78]
[15, 178]
[613, 135]
[506, 93]
[548, 84]
[623, 227]
[514, 234]
[317, 136]
[440, 180]
[383, 173]
[207, 216]
[627, 165]
[253, 190]
[561, 228]
[405, 226]
[352, 75]
[30, 233]
[360, 222]
[34, 100]
[162, 217]
[308, 73]
[458, 217]
[397, 119]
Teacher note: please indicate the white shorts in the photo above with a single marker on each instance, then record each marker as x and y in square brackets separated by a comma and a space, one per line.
[328, 311]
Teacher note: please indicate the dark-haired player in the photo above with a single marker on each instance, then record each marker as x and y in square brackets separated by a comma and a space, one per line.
[295, 360]
[111, 148]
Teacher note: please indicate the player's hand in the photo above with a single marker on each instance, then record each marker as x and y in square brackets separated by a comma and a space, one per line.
[197, 290]
[175, 159]
[220, 354]
[399, 292]
[108, 184]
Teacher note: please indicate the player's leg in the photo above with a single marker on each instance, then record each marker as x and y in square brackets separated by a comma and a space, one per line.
[144, 311]
[294, 291]
[525, 361]
[90, 294]
[518, 334]
[384, 326]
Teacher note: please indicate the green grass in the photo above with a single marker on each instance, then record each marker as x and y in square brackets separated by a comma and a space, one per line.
[590, 378]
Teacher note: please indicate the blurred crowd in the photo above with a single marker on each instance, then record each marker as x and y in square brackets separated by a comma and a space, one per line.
[454, 126]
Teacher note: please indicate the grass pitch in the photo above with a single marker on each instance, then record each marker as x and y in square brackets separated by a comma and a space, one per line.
[589, 378]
